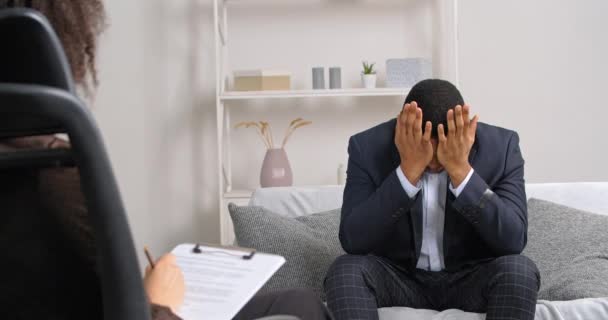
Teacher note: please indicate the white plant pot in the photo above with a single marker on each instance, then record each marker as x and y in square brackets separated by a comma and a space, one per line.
[368, 80]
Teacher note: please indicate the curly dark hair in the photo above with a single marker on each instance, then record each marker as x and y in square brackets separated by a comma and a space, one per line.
[77, 23]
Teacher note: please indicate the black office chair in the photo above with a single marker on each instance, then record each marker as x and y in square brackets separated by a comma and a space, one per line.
[37, 97]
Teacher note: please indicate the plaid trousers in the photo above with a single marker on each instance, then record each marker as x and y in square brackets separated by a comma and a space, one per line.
[503, 288]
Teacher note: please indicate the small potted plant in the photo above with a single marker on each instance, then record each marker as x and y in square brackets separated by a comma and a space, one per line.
[368, 76]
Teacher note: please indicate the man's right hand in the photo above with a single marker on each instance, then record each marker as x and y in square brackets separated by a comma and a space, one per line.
[415, 147]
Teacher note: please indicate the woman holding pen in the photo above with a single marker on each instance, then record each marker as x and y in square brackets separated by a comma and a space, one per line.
[165, 287]
[78, 23]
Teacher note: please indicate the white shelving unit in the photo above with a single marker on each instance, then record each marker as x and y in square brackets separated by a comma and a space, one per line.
[448, 23]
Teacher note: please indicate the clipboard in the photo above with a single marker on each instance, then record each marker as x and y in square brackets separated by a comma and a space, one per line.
[220, 280]
[247, 254]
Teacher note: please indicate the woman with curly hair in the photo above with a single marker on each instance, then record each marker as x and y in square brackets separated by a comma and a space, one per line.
[46, 211]
[50, 281]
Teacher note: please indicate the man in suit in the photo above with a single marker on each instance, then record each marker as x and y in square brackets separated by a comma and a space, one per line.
[434, 216]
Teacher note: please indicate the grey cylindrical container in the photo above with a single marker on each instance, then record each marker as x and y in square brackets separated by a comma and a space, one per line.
[318, 78]
[335, 78]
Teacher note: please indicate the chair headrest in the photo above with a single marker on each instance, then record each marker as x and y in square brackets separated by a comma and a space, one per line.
[31, 51]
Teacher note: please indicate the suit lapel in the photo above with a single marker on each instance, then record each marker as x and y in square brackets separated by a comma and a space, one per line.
[416, 221]
[395, 158]
[473, 152]
[394, 152]
[449, 199]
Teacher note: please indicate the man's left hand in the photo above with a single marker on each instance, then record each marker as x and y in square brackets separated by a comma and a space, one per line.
[454, 148]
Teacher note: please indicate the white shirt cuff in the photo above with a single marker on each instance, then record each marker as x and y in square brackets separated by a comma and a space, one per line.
[458, 191]
[409, 188]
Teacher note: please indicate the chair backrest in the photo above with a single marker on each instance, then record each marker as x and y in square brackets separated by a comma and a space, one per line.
[31, 54]
[37, 98]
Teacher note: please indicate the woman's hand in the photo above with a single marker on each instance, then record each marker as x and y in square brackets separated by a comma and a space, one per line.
[165, 283]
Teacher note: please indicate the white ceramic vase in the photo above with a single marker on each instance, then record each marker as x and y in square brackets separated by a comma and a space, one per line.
[368, 80]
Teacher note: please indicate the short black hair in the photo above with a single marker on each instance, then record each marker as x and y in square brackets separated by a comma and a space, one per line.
[435, 97]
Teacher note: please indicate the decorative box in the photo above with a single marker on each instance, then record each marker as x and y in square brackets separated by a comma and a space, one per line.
[259, 80]
[405, 73]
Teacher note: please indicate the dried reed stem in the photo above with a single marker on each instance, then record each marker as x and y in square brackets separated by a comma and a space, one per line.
[259, 130]
[298, 123]
[264, 130]
[270, 135]
[267, 130]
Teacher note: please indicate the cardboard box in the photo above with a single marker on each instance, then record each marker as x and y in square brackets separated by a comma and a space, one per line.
[261, 80]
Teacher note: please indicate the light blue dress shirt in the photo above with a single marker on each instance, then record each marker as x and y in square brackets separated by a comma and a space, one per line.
[434, 189]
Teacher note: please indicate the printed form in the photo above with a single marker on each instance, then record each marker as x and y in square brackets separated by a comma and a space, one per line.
[219, 282]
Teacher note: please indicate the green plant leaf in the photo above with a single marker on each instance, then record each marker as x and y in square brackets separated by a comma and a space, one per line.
[368, 68]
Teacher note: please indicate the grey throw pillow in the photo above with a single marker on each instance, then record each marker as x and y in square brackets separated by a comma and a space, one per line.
[570, 248]
[309, 244]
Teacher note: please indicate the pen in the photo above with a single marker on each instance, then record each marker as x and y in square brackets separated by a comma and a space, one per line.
[149, 256]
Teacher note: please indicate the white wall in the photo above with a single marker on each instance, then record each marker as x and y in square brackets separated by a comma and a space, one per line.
[540, 68]
[532, 66]
[120, 108]
[152, 106]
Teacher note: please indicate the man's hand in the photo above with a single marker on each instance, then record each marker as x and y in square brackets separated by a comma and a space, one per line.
[165, 283]
[415, 148]
[453, 150]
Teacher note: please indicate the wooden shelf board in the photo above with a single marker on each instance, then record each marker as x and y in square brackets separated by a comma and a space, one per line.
[236, 194]
[379, 92]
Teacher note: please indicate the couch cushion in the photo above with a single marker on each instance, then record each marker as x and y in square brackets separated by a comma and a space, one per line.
[588, 196]
[309, 244]
[583, 309]
[570, 248]
[298, 201]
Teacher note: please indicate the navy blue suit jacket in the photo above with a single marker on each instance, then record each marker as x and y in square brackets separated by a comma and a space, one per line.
[487, 220]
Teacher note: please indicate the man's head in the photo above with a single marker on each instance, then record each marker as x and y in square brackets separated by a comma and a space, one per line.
[435, 97]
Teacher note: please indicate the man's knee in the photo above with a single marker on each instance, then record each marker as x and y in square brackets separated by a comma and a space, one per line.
[517, 269]
[349, 268]
[351, 262]
[516, 263]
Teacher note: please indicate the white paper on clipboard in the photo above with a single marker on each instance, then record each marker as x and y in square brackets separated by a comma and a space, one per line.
[219, 282]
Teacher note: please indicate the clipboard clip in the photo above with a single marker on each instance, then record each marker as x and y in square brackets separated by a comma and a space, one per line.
[248, 255]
